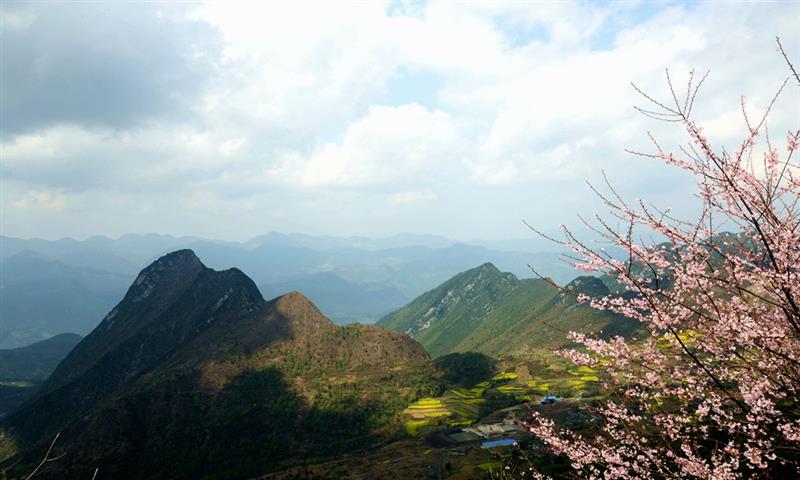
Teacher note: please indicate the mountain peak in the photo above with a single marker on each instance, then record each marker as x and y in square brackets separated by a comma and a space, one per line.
[587, 285]
[175, 266]
[237, 278]
[488, 272]
[294, 299]
[305, 317]
[453, 306]
[185, 352]
[178, 257]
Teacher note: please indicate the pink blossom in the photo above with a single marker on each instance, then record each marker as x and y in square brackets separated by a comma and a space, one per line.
[713, 390]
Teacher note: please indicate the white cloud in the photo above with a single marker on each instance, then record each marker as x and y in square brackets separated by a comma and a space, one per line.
[388, 144]
[41, 200]
[412, 197]
[526, 99]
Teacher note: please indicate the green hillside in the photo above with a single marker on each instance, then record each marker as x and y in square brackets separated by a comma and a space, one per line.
[491, 312]
[441, 318]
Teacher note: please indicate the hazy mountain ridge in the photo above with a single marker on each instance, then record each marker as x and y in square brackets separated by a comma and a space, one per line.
[41, 297]
[35, 362]
[195, 360]
[380, 274]
[23, 369]
[341, 300]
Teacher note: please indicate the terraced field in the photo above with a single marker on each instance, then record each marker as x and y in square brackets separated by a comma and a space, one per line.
[465, 406]
[456, 407]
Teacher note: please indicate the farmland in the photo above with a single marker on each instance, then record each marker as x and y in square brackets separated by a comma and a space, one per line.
[463, 406]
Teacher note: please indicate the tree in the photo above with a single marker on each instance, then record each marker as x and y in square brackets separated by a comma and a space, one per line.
[712, 390]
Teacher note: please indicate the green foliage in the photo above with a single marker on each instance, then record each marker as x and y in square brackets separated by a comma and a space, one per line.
[465, 369]
[505, 376]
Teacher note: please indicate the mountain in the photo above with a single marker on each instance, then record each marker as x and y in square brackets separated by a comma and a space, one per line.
[70, 252]
[35, 362]
[495, 313]
[23, 369]
[342, 301]
[194, 375]
[49, 287]
[41, 297]
[442, 317]
[325, 242]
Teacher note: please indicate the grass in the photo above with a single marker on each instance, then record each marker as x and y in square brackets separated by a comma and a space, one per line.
[505, 376]
[490, 466]
[468, 394]
[413, 426]
[427, 402]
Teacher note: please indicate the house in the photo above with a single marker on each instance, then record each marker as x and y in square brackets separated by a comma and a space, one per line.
[505, 442]
[490, 429]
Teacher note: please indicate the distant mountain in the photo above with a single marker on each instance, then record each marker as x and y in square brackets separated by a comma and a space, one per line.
[325, 242]
[23, 369]
[342, 301]
[495, 313]
[70, 252]
[49, 287]
[41, 297]
[34, 363]
[193, 374]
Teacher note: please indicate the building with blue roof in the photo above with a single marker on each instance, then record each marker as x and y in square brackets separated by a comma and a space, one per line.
[505, 442]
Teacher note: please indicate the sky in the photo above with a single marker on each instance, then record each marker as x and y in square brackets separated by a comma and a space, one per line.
[228, 120]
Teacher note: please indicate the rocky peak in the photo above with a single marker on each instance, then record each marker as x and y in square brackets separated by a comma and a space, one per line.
[234, 281]
[179, 267]
[589, 286]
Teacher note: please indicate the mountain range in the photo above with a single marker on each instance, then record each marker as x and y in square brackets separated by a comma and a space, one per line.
[41, 297]
[194, 375]
[49, 287]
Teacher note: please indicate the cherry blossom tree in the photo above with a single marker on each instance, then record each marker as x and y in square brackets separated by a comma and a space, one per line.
[711, 390]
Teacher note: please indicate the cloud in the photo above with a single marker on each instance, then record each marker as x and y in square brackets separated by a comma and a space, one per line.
[272, 116]
[388, 145]
[41, 200]
[412, 197]
[92, 64]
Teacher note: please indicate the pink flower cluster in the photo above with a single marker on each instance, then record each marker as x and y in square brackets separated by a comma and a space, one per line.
[713, 388]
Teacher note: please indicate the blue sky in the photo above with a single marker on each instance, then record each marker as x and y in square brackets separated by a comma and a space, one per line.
[231, 119]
